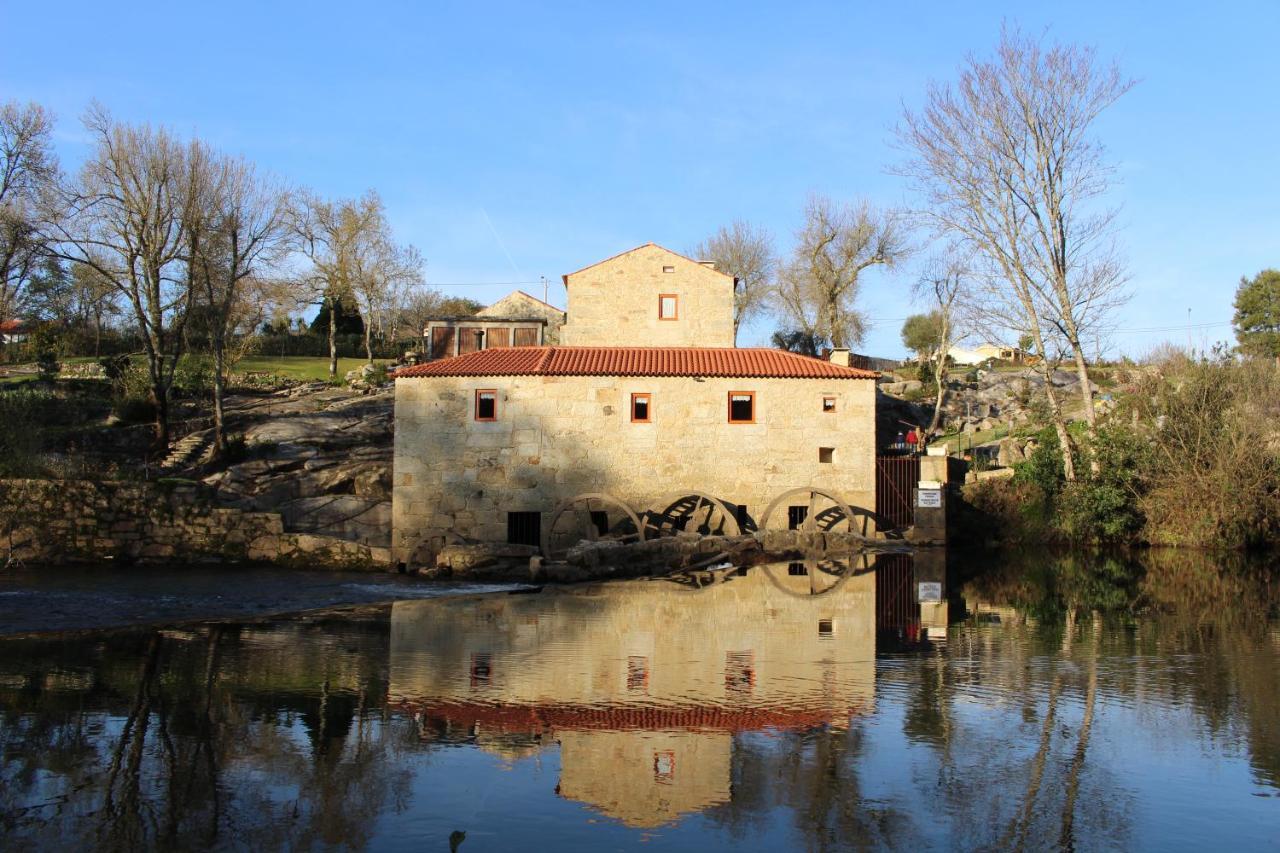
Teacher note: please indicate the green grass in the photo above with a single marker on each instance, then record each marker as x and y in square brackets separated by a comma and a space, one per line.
[303, 367]
[955, 441]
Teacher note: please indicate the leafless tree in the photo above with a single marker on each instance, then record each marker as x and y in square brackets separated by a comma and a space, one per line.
[745, 252]
[27, 171]
[943, 285]
[237, 230]
[1007, 163]
[126, 218]
[352, 256]
[382, 272]
[817, 289]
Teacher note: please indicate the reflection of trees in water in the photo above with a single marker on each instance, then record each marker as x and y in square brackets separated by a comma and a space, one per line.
[816, 776]
[244, 737]
[1215, 614]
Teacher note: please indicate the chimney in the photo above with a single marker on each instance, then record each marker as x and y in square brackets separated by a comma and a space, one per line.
[840, 356]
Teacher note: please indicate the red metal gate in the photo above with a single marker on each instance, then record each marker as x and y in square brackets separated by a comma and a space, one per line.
[896, 478]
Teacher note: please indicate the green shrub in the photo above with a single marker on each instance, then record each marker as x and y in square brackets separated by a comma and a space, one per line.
[1044, 466]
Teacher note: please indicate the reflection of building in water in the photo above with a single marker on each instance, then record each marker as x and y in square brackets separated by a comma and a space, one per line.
[643, 684]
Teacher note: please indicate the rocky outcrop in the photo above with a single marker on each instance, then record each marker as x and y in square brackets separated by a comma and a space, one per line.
[320, 457]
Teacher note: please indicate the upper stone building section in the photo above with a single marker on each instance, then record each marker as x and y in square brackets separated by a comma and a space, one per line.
[649, 297]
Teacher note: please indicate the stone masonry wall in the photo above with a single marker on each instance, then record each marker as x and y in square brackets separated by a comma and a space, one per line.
[75, 521]
[615, 303]
[521, 304]
[557, 437]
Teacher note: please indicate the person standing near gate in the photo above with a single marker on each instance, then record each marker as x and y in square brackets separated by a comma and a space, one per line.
[912, 438]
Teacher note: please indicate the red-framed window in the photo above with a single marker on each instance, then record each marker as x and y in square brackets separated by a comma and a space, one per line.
[641, 408]
[486, 404]
[668, 306]
[742, 407]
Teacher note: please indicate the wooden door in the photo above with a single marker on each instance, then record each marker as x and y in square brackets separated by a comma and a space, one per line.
[526, 337]
[497, 336]
[441, 342]
[469, 339]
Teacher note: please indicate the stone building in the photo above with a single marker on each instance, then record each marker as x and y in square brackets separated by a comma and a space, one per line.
[645, 402]
[515, 320]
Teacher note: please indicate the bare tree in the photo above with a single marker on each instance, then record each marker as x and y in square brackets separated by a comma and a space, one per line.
[352, 256]
[382, 271]
[1006, 163]
[27, 171]
[237, 231]
[818, 288]
[746, 253]
[942, 285]
[127, 216]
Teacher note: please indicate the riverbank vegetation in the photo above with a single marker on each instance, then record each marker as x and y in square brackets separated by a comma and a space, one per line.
[1190, 456]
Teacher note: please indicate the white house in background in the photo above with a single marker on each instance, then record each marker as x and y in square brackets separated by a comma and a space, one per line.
[983, 353]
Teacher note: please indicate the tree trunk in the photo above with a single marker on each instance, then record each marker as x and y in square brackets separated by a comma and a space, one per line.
[368, 346]
[1060, 427]
[333, 339]
[1086, 396]
[219, 362]
[160, 397]
[940, 371]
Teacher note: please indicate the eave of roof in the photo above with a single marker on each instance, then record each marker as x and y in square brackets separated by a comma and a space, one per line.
[711, 362]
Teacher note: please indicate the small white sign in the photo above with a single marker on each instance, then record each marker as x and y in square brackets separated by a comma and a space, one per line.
[929, 498]
[929, 591]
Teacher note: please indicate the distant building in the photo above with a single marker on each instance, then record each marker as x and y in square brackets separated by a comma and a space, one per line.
[13, 332]
[515, 320]
[984, 353]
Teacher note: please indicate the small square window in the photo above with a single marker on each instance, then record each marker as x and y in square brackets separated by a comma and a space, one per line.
[742, 407]
[641, 406]
[797, 570]
[668, 269]
[487, 405]
[828, 404]
[826, 454]
[826, 629]
[668, 306]
[796, 516]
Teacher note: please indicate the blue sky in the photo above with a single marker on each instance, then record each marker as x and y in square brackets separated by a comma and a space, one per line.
[514, 141]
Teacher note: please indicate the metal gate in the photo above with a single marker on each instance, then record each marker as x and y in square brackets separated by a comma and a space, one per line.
[896, 478]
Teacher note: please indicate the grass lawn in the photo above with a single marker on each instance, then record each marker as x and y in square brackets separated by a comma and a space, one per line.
[303, 367]
[956, 441]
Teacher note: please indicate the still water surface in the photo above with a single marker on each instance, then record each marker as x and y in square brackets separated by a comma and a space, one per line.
[1082, 703]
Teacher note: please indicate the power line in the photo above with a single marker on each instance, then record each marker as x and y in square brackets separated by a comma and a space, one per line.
[476, 283]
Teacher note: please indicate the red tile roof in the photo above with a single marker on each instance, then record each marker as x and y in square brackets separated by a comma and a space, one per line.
[636, 361]
[539, 718]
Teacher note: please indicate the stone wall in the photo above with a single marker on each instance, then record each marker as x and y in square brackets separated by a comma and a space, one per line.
[557, 437]
[615, 302]
[73, 521]
[521, 304]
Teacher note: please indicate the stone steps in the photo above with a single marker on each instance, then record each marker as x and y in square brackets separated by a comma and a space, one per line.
[189, 451]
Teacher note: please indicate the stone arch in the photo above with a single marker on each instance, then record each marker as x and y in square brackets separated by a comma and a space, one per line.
[702, 499]
[587, 497]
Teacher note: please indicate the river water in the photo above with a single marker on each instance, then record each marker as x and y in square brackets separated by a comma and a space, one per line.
[1041, 703]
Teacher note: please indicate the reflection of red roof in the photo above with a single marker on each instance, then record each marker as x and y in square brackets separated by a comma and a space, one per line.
[10, 326]
[636, 361]
[538, 718]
